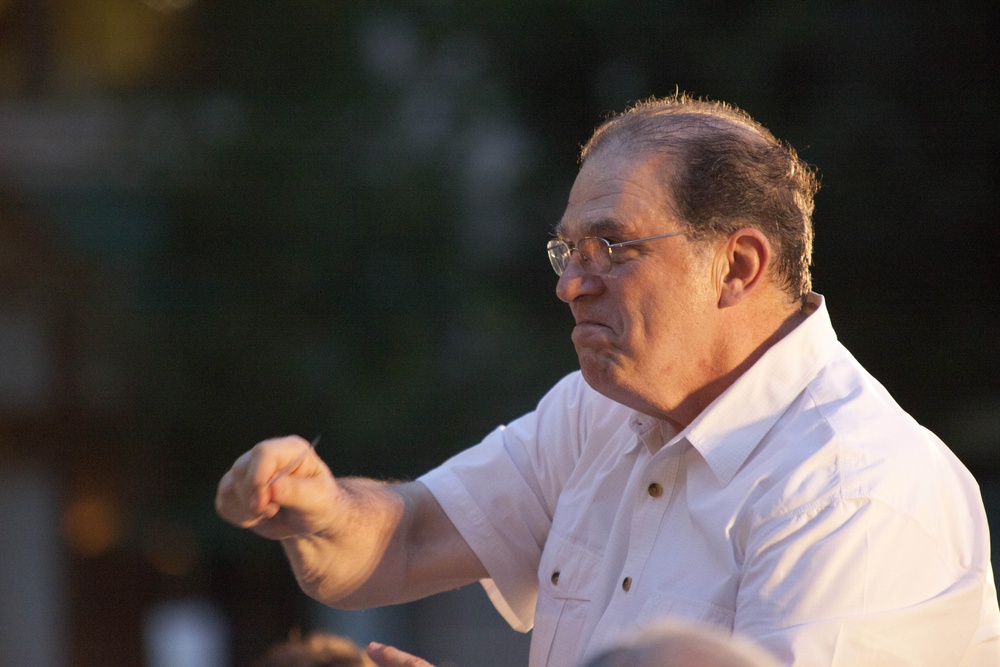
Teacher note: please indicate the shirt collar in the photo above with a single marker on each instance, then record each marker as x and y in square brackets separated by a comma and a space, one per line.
[650, 431]
[729, 429]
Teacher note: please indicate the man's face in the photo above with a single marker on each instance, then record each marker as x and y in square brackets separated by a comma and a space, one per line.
[644, 331]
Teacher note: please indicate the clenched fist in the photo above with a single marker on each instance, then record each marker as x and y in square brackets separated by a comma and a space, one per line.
[279, 489]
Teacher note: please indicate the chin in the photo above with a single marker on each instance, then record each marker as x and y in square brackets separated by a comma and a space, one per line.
[605, 375]
[600, 374]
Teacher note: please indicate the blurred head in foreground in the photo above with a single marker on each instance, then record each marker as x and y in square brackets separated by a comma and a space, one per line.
[316, 650]
[682, 643]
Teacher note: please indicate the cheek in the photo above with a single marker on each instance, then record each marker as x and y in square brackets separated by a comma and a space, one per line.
[646, 325]
[659, 324]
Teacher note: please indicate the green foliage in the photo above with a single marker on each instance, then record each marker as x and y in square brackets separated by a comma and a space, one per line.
[366, 260]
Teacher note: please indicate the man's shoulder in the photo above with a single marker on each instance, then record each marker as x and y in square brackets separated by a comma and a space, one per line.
[857, 411]
[846, 438]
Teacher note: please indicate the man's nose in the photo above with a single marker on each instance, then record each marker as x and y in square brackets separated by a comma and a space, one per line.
[575, 281]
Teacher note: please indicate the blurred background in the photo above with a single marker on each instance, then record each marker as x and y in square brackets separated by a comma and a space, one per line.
[222, 221]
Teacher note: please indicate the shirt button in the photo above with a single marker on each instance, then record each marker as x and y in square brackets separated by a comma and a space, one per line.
[655, 490]
[555, 578]
[627, 584]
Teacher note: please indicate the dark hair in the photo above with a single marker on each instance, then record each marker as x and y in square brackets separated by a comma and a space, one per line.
[725, 171]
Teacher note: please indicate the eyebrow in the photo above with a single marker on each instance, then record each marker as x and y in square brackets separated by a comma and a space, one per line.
[600, 228]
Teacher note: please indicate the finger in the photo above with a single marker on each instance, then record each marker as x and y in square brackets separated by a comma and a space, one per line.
[271, 457]
[262, 464]
[230, 498]
[301, 484]
[231, 502]
[245, 497]
[389, 656]
[224, 496]
[241, 498]
[305, 502]
[255, 495]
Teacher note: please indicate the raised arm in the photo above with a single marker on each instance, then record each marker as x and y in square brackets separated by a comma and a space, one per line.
[351, 542]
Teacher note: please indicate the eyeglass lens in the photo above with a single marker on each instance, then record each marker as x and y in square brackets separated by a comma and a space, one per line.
[595, 255]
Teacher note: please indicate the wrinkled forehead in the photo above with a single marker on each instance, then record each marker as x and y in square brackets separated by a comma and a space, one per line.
[619, 194]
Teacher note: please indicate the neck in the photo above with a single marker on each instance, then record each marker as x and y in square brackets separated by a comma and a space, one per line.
[743, 351]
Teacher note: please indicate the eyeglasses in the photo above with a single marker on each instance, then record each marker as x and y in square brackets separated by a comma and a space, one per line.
[595, 253]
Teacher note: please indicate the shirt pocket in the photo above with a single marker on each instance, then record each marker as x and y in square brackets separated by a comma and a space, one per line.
[566, 576]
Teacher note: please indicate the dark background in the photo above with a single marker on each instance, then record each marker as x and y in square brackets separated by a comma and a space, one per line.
[233, 220]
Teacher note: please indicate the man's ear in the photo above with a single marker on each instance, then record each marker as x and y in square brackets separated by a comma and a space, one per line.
[744, 260]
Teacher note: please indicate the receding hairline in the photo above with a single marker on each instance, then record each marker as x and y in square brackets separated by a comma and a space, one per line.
[649, 126]
[722, 169]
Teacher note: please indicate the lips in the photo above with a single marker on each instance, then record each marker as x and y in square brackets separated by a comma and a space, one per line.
[590, 327]
[589, 333]
[588, 320]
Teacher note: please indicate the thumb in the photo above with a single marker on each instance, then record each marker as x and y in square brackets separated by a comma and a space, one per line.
[305, 499]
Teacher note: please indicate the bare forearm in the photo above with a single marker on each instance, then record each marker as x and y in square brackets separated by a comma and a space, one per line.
[356, 557]
[351, 542]
[391, 543]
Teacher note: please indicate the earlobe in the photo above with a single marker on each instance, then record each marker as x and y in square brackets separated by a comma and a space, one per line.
[747, 254]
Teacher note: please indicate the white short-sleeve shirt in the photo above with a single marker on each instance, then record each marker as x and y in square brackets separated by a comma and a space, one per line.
[803, 509]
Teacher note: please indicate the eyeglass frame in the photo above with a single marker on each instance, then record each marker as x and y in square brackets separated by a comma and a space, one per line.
[572, 247]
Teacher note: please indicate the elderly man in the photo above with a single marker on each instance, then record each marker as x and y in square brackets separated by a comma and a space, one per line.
[719, 456]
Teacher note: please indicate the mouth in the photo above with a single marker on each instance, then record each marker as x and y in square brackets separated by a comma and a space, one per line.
[590, 327]
[588, 320]
[590, 333]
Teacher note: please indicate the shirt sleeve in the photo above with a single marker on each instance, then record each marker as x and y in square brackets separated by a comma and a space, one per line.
[855, 582]
[501, 496]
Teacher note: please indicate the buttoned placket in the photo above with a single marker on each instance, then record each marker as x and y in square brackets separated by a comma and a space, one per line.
[652, 488]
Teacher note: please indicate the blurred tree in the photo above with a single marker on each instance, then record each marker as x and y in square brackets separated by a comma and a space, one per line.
[366, 262]
[322, 216]
[362, 264]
